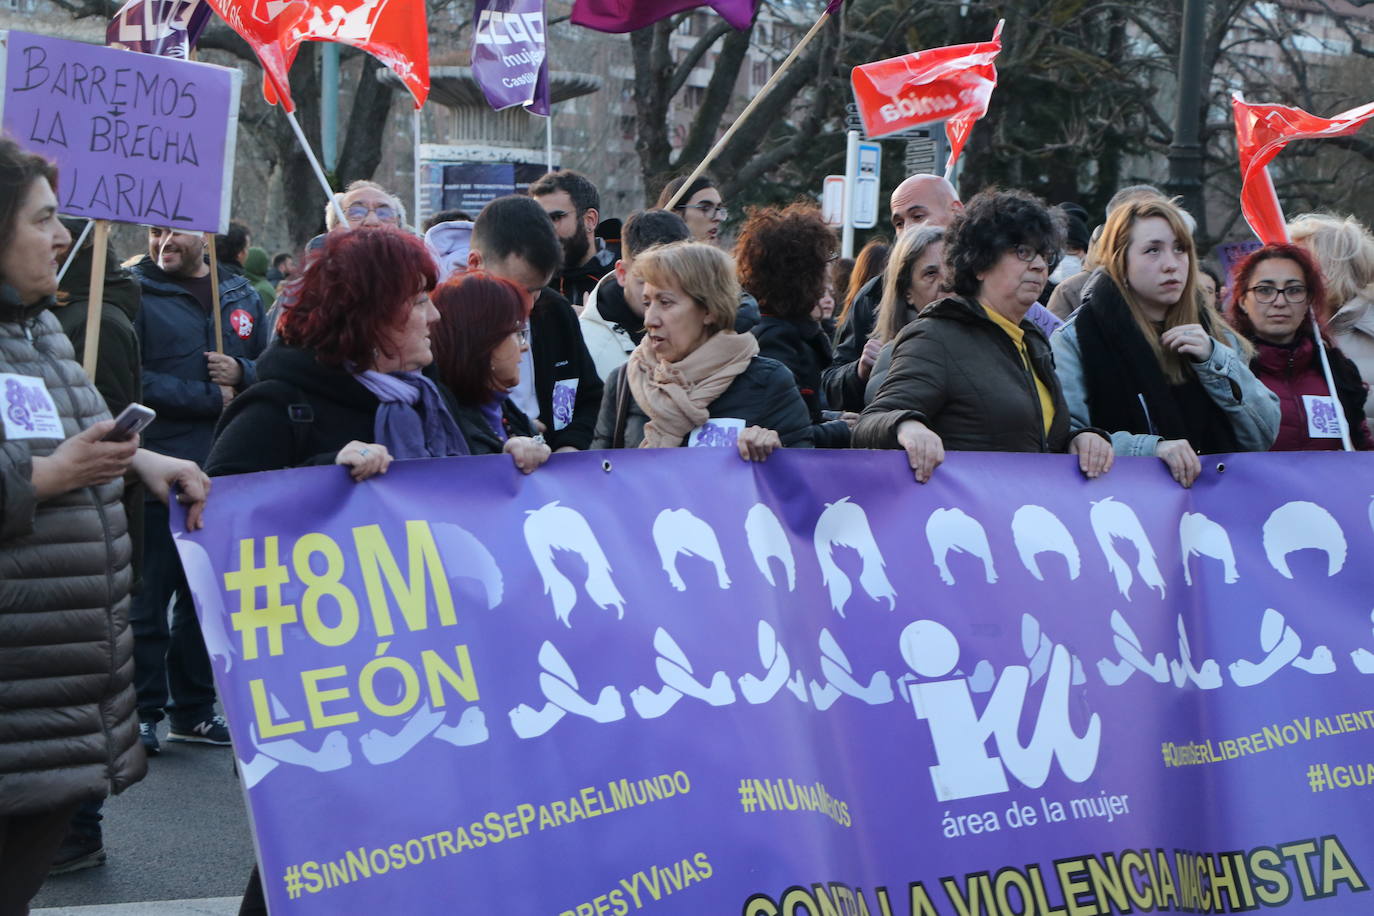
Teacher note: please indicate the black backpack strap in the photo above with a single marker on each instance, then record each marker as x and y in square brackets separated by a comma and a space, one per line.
[622, 407]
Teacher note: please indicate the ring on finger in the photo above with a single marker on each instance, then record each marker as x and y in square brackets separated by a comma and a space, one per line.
[363, 452]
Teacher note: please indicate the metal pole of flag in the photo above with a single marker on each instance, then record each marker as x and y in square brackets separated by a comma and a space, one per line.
[1330, 381]
[315, 165]
[851, 180]
[548, 138]
[416, 123]
[749, 109]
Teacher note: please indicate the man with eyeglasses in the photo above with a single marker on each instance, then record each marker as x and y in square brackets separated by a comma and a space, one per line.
[366, 205]
[574, 206]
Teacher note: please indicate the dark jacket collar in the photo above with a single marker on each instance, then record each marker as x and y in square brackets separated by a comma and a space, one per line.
[11, 309]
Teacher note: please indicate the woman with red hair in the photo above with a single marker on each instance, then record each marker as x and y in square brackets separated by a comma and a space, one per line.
[1272, 297]
[479, 345]
[342, 384]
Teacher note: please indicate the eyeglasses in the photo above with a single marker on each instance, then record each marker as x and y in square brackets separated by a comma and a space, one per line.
[707, 209]
[358, 212]
[1027, 253]
[522, 334]
[1266, 295]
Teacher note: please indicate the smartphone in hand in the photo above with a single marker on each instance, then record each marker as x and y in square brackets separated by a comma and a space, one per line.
[131, 421]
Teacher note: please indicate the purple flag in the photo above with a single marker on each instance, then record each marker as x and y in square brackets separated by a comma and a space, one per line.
[628, 15]
[167, 28]
[510, 58]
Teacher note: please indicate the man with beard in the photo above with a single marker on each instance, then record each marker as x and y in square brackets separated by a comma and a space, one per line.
[188, 383]
[574, 206]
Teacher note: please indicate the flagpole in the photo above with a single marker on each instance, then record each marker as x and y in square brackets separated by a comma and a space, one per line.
[315, 164]
[749, 109]
[548, 137]
[415, 129]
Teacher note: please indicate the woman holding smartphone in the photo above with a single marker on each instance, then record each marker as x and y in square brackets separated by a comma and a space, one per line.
[68, 729]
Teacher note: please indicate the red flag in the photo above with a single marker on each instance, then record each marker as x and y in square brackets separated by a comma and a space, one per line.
[1262, 131]
[952, 84]
[393, 31]
[629, 15]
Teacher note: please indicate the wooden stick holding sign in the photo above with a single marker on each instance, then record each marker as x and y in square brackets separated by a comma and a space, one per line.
[214, 292]
[94, 308]
[754, 103]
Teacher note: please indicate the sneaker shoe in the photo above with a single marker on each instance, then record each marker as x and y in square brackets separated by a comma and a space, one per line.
[147, 733]
[213, 730]
[78, 851]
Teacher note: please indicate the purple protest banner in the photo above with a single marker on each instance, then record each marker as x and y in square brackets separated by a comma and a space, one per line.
[137, 138]
[675, 682]
[167, 28]
[510, 58]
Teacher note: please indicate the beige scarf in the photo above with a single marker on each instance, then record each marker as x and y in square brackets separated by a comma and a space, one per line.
[677, 396]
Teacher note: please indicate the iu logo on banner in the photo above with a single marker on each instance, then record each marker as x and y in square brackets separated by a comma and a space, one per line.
[939, 84]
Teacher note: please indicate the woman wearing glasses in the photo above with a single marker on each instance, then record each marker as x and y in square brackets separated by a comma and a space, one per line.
[970, 373]
[367, 205]
[478, 343]
[700, 208]
[1276, 290]
[1146, 359]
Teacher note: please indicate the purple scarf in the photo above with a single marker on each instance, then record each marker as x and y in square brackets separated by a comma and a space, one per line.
[412, 421]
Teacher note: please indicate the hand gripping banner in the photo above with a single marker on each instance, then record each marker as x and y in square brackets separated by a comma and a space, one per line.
[672, 682]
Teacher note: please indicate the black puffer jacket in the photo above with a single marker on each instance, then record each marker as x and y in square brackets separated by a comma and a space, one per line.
[764, 394]
[956, 371]
[68, 728]
[802, 346]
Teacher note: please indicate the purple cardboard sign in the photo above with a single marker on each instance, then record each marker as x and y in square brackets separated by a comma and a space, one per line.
[673, 682]
[137, 138]
[510, 58]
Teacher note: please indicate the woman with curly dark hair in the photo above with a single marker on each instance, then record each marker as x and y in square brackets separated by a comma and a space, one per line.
[970, 373]
[782, 257]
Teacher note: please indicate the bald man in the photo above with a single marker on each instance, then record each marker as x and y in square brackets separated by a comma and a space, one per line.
[920, 200]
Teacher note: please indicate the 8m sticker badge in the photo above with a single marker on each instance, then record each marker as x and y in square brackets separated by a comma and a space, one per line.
[242, 323]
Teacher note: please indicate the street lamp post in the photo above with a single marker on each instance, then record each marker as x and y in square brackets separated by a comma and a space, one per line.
[1185, 152]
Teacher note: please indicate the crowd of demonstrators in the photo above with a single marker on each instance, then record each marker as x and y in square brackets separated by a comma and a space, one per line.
[1143, 358]
[68, 725]
[613, 321]
[1344, 250]
[189, 384]
[918, 201]
[479, 342]
[693, 379]
[914, 278]
[574, 208]
[782, 257]
[468, 342]
[998, 250]
[1276, 289]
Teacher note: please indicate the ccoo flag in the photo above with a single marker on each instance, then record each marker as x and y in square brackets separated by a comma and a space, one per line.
[167, 28]
[951, 84]
[1262, 131]
[393, 31]
[510, 58]
[628, 15]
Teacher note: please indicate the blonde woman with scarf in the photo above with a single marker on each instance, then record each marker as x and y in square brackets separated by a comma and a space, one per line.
[693, 381]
